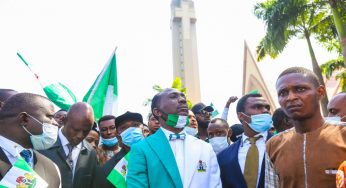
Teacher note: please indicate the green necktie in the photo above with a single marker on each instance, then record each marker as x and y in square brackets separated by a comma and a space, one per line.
[251, 164]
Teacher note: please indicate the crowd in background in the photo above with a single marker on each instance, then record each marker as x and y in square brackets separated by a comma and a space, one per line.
[174, 146]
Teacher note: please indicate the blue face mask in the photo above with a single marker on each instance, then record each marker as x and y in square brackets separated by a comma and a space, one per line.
[260, 122]
[334, 120]
[110, 142]
[131, 136]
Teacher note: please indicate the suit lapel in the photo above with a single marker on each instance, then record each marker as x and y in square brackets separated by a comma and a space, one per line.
[3, 157]
[160, 145]
[60, 151]
[5, 164]
[192, 155]
[234, 159]
[83, 156]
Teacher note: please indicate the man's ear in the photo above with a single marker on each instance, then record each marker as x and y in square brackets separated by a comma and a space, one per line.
[321, 90]
[240, 116]
[230, 132]
[23, 119]
[64, 119]
[157, 112]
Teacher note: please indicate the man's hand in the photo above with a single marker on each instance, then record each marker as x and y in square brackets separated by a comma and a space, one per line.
[232, 99]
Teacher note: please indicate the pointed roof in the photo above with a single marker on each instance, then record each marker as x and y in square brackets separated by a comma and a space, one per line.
[252, 78]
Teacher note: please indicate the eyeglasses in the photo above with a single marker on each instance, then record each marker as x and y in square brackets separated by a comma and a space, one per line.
[203, 112]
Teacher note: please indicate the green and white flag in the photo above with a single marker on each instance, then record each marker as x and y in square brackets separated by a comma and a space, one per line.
[215, 112]
[103, 94]
[21, 175]
[58, 93]
[118, 174]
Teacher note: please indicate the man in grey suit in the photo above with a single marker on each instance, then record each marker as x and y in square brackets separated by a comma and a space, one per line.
[74, 156]
[27, 124]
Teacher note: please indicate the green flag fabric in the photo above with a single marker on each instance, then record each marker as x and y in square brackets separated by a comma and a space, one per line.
[103, 94]
[22, 175]
[58, 93]
[118, 174]
[215, 112]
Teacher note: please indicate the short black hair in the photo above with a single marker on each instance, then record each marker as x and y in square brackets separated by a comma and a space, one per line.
[279, 117]
[155, 103]
[242, 101]
[20, 102]
[95, 128]
[149, 115]
[223, 122]
[301, 70]
[105, 118]
[237, 131]
[5, 93]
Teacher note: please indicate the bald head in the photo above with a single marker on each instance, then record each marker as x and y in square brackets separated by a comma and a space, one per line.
[79, 121]
[81, 110]
[337, 106]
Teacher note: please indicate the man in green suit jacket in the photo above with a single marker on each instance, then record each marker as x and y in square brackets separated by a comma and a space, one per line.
[170, 157]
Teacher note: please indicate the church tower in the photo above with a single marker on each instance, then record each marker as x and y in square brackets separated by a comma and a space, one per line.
[185, 61]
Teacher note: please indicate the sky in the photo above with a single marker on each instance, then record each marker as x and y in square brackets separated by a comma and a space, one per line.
[70, 42]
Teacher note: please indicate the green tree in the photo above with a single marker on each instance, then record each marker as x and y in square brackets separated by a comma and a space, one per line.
[338, 8]
[286, 19]
[327, 34]
[331, 66]
[177, 85]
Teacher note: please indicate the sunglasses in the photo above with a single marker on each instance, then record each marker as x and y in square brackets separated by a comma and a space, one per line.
[203, 112]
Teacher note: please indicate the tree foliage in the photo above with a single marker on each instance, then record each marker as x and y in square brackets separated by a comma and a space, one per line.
[176, 85]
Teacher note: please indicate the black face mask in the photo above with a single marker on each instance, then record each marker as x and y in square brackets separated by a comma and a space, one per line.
[203, 124]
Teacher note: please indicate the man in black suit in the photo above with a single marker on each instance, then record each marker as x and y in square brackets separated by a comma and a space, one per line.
[74, 156]
[242, 163]
[123, 124]
[27, 124]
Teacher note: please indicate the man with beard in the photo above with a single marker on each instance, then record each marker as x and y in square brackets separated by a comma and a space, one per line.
[170, 157]
[203, 117]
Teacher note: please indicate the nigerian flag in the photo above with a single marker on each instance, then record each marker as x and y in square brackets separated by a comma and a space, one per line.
[215, 112]
[103, 94]
[22, 175]
[58, 93]
[118, 174]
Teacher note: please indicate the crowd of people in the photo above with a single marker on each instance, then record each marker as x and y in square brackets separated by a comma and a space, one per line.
[178, 147]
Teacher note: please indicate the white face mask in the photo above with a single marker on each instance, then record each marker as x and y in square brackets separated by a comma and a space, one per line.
[46, 139]
[191, 131]
[219, 143]
[334, 119]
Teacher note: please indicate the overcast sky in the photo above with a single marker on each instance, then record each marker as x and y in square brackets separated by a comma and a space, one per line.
[70, 41]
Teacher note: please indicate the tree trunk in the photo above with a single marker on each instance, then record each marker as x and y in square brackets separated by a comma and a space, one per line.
[317, 71]
[340, 27]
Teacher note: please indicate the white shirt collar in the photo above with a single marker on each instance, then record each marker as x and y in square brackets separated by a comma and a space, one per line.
[245, 138]
[167, 132]
[11, 147]
[64, 140]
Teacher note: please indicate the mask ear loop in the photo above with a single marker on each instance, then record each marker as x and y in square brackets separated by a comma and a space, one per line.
[35, 119]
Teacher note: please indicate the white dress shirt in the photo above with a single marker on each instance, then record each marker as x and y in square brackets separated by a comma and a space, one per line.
[177, 147]
[244, 147]
[12, 150]
[75, 150]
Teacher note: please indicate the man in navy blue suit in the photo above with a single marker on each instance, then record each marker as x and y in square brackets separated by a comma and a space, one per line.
[242, 163]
